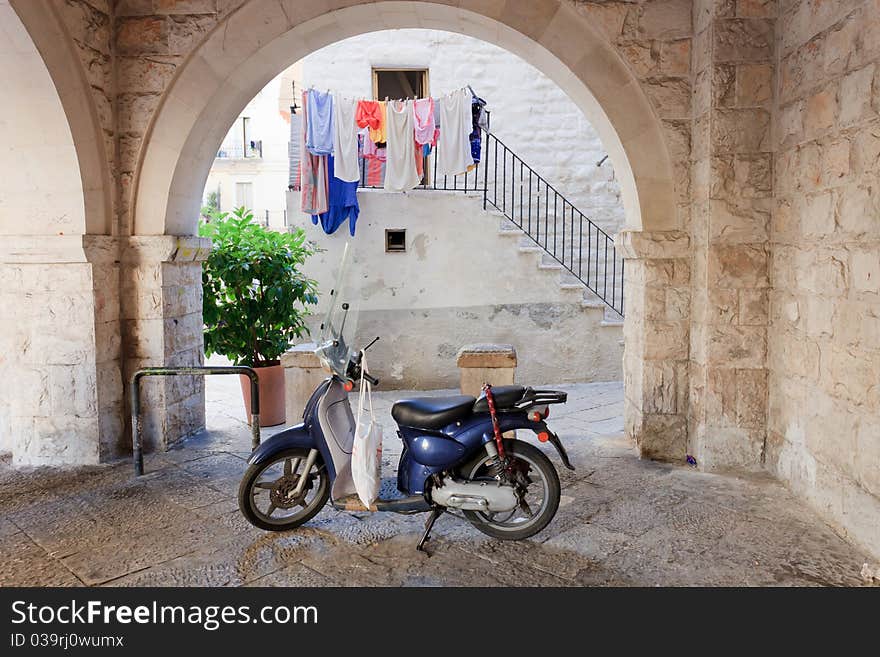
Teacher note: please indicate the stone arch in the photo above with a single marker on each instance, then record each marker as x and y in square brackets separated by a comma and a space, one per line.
[59, 338]
[260, 38]
[79, 121]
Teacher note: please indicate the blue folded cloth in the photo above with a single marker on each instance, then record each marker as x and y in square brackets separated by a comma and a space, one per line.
[319, 131]
[342, 203]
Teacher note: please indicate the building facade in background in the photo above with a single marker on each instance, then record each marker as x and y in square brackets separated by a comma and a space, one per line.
[456, 276]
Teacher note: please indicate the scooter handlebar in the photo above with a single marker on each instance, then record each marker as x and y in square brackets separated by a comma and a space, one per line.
[371, 379]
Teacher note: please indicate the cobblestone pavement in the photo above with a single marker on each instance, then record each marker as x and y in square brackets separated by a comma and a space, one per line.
[622, 521]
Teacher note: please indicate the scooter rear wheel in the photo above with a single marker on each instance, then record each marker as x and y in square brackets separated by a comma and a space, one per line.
[266, 494]
[539, 500]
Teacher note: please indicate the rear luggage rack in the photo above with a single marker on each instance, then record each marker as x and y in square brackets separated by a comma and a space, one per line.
[532, 397]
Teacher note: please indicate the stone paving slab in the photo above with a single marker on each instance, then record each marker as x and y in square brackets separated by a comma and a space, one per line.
[621, 522]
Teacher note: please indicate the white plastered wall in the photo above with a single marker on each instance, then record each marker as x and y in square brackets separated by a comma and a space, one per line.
[37, 154]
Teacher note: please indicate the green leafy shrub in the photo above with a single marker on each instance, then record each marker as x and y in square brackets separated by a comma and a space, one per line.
[255, 297]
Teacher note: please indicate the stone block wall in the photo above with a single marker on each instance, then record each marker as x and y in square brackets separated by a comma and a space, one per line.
[90, 24]
[161, 313]
[732, 200]
[655, 38]
[151, 38]
[59, 351]
[824, 342]
[657, 280]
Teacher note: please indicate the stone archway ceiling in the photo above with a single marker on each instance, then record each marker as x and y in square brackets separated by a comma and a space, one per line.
[249, 46]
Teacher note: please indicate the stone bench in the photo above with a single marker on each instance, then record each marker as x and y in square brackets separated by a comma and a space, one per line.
[485, 363]
[302, 374]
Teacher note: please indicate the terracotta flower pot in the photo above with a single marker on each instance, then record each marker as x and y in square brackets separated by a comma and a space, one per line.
[271, 385]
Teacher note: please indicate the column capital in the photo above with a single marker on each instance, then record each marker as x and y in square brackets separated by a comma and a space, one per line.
[652, 245]
[58, 249]
[151, 249]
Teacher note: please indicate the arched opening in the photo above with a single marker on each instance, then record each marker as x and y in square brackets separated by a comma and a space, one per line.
[473, 265]
[259, 40]
[255, 42]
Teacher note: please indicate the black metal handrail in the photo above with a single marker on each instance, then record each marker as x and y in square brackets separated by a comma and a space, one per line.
[546, 217]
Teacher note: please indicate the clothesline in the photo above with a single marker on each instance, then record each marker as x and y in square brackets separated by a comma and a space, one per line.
[335, 131]
[388, 99]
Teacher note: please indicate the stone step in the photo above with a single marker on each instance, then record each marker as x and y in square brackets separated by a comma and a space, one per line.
[550, 266]
[531, 249]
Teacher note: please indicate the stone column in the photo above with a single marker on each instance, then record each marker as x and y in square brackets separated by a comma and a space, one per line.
[655, 361]
[161, 293]
[59, 350]
[731, 187]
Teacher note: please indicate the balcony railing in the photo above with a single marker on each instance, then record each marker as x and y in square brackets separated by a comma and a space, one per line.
[241, 152]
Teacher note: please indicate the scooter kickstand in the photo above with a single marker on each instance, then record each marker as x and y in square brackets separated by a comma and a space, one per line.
[436, 512]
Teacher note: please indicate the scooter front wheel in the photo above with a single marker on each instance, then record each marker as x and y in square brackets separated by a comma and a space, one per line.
[270, 496]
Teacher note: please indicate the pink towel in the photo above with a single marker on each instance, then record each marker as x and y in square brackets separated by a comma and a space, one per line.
[423, 120]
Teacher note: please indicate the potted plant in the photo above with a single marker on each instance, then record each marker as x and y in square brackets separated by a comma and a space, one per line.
[256, 300]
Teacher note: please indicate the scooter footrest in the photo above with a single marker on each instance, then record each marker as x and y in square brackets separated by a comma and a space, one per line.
[412, 504]
[351, 503]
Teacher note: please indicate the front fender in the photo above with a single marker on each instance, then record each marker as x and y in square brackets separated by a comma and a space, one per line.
[296, 436]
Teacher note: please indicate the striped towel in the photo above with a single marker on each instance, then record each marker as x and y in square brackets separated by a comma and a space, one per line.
[294, 152]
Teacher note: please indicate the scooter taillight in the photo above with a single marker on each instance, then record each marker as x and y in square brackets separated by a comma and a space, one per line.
[537, 416]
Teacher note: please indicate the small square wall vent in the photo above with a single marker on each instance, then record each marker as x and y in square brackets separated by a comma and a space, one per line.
[395, 240]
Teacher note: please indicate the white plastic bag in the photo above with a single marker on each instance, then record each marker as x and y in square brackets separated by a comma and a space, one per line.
[366, 452]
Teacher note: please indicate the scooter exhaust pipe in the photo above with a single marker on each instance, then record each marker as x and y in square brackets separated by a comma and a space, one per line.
[474, 496]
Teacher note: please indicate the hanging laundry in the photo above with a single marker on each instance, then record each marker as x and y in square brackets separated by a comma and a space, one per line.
[423, 120]
[371, 150]
[294, 151]
[319, 134]
[313, 171]
[345, 140]
[429, 147]
[478, 117]
[420, 160]
[373, 166]
[342, 203]
[400, 168]
[372, 114]
[453, 145]
[375, 173]
[367, 114]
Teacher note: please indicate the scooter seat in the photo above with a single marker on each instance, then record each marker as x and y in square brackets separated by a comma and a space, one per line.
[504, 396]
[431, 412]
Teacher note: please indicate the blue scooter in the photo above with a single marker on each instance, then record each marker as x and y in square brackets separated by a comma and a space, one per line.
[455, 456]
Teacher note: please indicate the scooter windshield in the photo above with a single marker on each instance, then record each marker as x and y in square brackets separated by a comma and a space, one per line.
[339, 326]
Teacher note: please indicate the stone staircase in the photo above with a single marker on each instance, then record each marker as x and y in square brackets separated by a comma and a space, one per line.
[570, 285]
[544, 225]
[544, 222]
